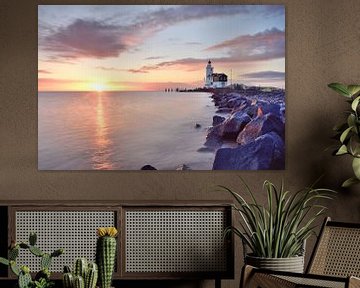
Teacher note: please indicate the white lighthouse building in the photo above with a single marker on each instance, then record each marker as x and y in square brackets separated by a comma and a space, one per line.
[214, 80]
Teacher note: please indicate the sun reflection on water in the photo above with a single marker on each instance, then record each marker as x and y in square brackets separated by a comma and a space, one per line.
[102, 155]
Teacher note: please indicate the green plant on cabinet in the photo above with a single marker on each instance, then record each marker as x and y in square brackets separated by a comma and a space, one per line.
[85, 275]
[106, 254]
[42, 278]
[348, 133]
[279, 229]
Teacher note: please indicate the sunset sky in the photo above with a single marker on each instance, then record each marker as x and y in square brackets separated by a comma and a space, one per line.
[152, 47]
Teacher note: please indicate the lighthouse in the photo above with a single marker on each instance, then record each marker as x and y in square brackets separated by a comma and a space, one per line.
[214, 80]
[209, 77]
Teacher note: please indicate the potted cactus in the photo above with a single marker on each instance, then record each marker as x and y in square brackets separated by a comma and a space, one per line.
[42, 278]
[85, 275]
[106, 254]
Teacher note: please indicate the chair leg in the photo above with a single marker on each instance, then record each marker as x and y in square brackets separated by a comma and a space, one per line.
[217, 283]
[250, 278]
[354, 282]
[246, 273]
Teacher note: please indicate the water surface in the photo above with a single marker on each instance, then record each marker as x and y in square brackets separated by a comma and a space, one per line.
[123, 130]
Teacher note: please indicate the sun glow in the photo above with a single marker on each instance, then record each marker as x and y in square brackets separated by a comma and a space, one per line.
[99, 87]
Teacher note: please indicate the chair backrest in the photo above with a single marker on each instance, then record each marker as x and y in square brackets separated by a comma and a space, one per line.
[337, 251]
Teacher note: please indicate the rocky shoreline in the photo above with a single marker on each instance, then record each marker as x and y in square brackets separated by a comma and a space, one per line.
[248, 130]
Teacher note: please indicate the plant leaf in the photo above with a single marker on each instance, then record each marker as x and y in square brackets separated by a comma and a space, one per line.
[351, 119]
[342, 150]
[349, 182]
[4, 261]
[345, 134]
[356, 167]
[340, 88]
[353, 89]
[355, 103]
[354, 145]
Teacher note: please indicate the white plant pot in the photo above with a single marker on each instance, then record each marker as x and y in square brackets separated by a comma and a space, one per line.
[291, 264]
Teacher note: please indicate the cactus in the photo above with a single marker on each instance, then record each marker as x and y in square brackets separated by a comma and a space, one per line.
[24, 277]
[105, 254]
[45, 261]
[80, 268]
[13, 253]
[44, 273]
[36, 251]
[91, 276]
[14, 268]
[68, 280]
[24, 245]
[32, 238]
[42, 278]
[4, 261]
[90, 272]
[67, 269]
[79, 282]
[57, 252]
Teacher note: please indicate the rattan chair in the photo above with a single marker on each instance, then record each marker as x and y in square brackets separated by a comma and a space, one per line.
[334, 263]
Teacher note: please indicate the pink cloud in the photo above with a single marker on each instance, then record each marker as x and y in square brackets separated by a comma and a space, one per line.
[44, 71]
[155, 86]
[52, 84]
[97, 39]
[190, 64]
[262, 46]
[265, 45]
[86, 39]
[109, 68]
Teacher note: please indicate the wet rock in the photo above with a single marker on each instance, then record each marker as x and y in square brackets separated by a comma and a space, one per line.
[206, 149]
[148, 167]
[224, 110]
[234, 102]
[269, 108]
[251, 110]
[183, 167]
[267, 152]
[213, 137]
[217, 120]
[232, 126]
[260, 126]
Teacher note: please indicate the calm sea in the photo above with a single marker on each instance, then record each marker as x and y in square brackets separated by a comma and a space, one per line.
[123, 130]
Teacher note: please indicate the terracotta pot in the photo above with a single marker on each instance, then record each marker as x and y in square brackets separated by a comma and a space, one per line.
[291, 264]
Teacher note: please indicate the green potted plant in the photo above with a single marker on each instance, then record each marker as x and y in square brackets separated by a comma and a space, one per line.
[348, 132]
[42, 278]
[276, 233]
[84, 274]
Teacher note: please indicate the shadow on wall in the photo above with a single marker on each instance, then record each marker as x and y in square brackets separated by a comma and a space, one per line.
[333, 169]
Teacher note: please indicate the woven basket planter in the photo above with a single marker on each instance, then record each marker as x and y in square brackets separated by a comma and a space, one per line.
[291, 264]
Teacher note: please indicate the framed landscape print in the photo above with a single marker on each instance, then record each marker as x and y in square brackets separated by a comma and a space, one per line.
[161, 87]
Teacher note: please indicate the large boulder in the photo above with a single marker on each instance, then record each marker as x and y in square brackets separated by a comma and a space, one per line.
[269, 108]
[250, 109]
[261, 125]
[217, 120]
[148, 167]
[232, 126]
[213, 137]
[267, 152]
[234, 102]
